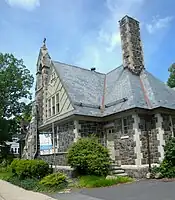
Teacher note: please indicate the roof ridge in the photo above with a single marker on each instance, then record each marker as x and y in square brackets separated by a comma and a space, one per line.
[114, 69]
[77, 67]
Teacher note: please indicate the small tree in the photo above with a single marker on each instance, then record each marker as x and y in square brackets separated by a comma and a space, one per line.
[170, 152]
[171, 79]
[167, 167]
[15, 84]
[88, 157]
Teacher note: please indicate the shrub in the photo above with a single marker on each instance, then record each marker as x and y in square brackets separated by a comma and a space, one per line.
[14, 165]
[170, 152]
[88, 157]
[96, 181]
[5, 174]
[167, 167]
[6, 162]
[28, 183]
[56, 180]
[30, 168]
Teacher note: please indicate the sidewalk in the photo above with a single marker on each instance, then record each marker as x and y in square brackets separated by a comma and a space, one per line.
[12, 192]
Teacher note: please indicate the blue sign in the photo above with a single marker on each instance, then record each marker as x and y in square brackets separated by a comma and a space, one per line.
[45, 147]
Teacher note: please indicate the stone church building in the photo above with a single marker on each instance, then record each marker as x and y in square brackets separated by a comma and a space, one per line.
[127, 108]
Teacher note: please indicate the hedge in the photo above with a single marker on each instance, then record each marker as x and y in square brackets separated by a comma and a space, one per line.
[30, 168]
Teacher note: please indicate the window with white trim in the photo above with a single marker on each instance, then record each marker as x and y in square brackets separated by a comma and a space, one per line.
[173, 125]
[49, 107]
[53, 105]
[53, 77]
[124, 124]
[57, 103]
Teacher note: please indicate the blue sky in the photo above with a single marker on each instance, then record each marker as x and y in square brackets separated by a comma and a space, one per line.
[86, 33]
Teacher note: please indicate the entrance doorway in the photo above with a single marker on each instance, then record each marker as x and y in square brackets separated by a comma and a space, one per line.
[110, 143]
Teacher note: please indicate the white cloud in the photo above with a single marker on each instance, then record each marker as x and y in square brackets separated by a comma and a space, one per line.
[25, 4]
[158, 23]
[118, 9]
[107, 44]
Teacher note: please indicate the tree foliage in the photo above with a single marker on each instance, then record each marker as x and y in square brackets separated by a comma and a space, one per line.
[167, 167]
[171, 79]
[15, 84]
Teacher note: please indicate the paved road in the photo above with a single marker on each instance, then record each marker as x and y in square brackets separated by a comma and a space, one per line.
[142, 190]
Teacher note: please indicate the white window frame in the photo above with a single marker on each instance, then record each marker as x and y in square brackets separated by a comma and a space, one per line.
[49, 108]
[57, 103]
[53, 105]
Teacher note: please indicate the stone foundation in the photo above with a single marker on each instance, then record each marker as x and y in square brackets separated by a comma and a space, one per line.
[66, 170]
[58, 159]
[138, 173]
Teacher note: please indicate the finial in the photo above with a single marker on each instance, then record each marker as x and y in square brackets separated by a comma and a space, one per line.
[44, 42]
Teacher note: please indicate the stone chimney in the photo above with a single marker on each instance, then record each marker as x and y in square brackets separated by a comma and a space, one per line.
[131, 45]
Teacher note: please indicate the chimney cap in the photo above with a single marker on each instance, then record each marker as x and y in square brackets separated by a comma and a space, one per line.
[93, 69]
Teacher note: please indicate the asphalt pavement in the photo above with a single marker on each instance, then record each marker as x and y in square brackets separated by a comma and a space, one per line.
[141, 190]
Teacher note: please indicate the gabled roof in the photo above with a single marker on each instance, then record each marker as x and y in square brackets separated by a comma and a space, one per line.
[83, 86]
[118, 90]
[121, 83]
[159, 93]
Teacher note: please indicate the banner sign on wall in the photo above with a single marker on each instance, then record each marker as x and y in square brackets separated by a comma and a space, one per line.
[45, 144]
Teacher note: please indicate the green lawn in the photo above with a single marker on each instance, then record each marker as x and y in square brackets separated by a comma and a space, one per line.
[95, 181]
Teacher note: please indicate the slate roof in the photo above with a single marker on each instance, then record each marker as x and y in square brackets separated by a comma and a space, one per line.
[118, 90]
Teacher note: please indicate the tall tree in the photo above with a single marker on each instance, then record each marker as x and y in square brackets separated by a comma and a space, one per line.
[15, 84]
[171, 79]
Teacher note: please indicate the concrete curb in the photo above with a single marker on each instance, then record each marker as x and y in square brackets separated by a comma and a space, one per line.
[9, 191]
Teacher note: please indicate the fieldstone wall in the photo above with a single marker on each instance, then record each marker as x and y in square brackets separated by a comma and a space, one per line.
[39, 102]
[167, 127]
[153, 141]
[138, 173]
[65, 136]
[69, 172]
[88, 128]
[57, 159]
[124, 141]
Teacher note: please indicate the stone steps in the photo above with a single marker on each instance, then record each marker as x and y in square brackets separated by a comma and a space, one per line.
[115, 167]
[117, 170]
[122, 174]
[120, 171]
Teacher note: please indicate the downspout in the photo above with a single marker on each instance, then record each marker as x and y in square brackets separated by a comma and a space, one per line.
[37, 132]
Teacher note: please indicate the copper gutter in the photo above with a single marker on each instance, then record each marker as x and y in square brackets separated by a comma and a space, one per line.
[103, 97]
[145, 94]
